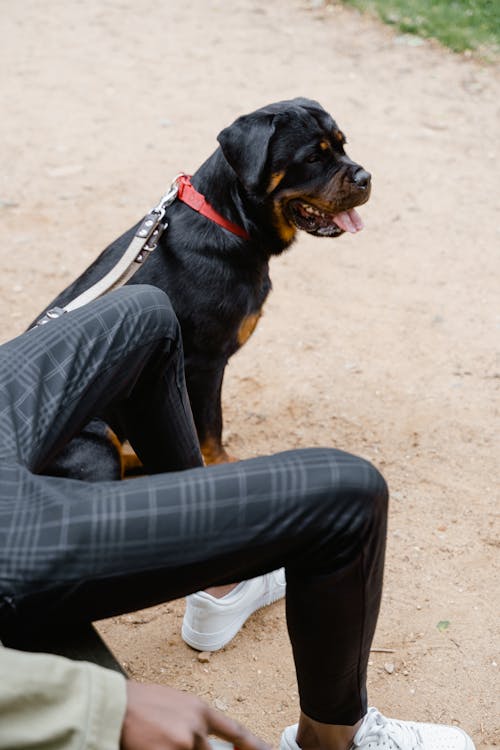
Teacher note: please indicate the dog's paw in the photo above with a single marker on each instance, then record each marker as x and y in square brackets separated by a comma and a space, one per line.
[216, 454]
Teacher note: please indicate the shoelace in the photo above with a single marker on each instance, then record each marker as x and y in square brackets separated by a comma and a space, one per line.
[376, 728]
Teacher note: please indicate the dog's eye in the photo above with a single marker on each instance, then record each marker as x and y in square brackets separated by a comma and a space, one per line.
[340, 137]
[314, 157]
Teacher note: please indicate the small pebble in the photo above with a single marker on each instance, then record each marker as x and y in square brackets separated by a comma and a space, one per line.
[204, 657]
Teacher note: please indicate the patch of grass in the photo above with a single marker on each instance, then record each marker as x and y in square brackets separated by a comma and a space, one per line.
[459, 24]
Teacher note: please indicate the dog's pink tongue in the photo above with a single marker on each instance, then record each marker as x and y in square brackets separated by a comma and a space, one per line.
[349, 221]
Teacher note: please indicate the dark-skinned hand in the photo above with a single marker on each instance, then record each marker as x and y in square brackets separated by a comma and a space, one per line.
[161, 718]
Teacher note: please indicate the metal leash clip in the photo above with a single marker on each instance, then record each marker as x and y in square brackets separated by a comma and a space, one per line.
[152, 227]
[169, 197]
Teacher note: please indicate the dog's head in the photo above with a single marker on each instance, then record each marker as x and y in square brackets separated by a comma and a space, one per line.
[290, 155]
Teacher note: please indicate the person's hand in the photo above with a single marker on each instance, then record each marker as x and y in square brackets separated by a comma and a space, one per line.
[160, 718]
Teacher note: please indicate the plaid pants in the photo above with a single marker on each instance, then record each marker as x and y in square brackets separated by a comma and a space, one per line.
[79, 551]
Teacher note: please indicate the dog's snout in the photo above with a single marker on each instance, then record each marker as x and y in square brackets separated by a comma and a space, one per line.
[362, 178]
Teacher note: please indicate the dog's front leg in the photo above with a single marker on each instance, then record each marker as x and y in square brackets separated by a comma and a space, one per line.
[204, 386]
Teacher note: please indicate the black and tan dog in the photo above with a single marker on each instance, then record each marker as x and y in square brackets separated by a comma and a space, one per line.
[277, 170]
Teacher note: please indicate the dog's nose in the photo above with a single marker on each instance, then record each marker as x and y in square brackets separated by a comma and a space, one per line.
[362, 178]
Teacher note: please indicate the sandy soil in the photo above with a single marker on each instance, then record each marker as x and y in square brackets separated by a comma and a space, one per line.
[382, 344]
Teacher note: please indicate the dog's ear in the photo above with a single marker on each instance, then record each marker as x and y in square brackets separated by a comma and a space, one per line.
[245, 145]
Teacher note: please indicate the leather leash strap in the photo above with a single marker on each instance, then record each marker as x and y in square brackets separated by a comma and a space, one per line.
[144, 242]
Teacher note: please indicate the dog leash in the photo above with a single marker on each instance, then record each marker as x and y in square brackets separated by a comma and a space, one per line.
[144, 242]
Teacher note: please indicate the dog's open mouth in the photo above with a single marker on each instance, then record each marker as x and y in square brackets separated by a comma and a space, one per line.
[316, 221]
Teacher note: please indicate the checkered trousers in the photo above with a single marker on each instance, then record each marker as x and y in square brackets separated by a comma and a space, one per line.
[74, 550]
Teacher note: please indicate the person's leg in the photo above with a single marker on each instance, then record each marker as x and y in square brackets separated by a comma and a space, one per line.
[88, 551]
[121, 355]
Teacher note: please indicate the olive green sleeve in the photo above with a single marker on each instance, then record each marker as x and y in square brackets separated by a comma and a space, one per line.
[53, 703]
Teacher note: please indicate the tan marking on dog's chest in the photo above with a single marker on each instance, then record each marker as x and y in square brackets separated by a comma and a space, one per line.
[247, 327]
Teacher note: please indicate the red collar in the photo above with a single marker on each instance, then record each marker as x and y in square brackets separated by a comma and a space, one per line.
[188, 195]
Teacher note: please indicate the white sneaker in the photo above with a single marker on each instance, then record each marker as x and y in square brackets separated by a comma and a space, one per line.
[210, 623]
[378, 733]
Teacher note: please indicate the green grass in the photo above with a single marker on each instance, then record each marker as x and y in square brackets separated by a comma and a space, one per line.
[459, 24]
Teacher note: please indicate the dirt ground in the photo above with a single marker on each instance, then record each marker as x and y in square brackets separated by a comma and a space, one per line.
[381, 343]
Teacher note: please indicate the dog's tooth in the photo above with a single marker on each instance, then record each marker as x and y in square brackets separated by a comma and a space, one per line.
[311, 210]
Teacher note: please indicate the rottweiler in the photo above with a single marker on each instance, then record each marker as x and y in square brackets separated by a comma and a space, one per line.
[277, 170]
